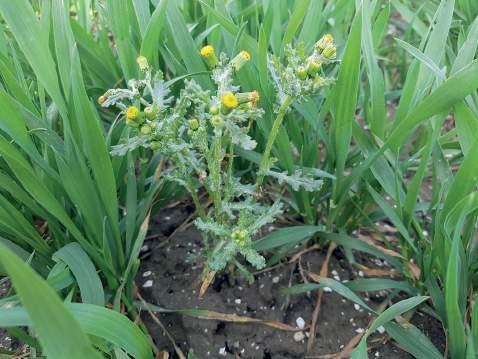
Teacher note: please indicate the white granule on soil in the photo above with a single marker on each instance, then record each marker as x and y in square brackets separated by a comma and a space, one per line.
[148, 284]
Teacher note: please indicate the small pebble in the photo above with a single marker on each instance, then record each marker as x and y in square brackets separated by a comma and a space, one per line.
[300, 323]
[147, 273]
[237, 301]
[357, 307]
[327, 289]
[275, 280]
[148, 284]
[381, 329]
[299, 336]
[359, 330]
[222, 351]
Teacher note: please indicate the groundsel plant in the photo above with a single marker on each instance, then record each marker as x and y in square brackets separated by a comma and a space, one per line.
[198, 131]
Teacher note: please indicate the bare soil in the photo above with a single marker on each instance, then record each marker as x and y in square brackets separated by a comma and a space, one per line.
[7, 342]
[169, 277]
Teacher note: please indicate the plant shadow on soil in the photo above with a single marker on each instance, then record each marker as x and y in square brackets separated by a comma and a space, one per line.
[169, 277]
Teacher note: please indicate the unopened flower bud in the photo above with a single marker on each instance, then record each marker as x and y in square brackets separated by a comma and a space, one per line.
[146, 129]
[324, 41]
[240, 60]
[101, 100]
[154, 145]
[244, 97]
[330, 52]
[301, 72]
[142, 63]
[193, 124]
[213, 110]
[313, 67]
[217, 121]
[150, 112]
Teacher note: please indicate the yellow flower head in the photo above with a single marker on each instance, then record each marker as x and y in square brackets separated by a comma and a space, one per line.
[209, 56]
[329, 38]
[142, 62]
[229, 101]
[207, 51]
[132, 113]
[245, 55]
[254, 96]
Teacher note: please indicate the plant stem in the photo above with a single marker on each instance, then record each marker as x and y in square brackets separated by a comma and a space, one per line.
[230, 167]
[216, 172]
[195, 198]
[272, 137]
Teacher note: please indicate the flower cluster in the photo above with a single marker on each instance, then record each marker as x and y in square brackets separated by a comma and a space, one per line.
[197, 130]
[302, 75]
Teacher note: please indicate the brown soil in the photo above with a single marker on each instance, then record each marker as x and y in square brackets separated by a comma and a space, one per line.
[7, 342]
[173, 264]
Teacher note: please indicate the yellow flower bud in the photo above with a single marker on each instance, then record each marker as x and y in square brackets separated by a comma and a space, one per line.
[244, 97]
[101, 100]
[330, 52]
[229, 101]
[240, 60]
[132, 113]
[324, 41]
[209, 56]
[142, 63]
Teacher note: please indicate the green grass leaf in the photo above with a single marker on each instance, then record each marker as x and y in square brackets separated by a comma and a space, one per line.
[53, 323]
[84, 272]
